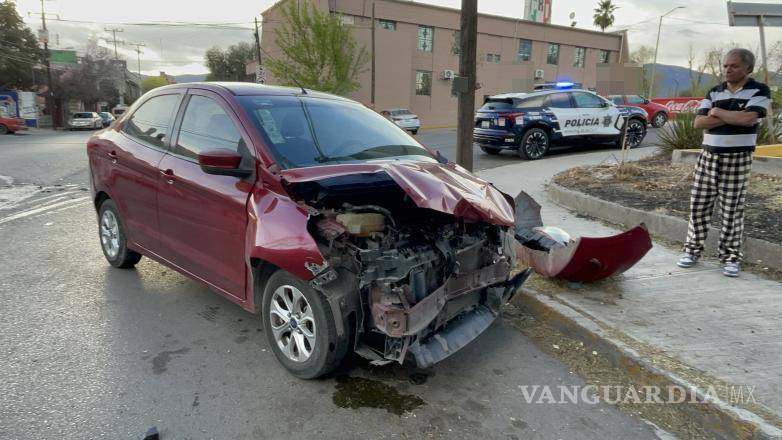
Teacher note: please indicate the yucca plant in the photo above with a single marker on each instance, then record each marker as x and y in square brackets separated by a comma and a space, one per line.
[679, 134]
[763, 133]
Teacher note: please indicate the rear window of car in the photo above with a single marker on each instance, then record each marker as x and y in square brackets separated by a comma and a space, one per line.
[400, 112]
[312, 131]
[82, 115]
[535, 101]
[497, 104]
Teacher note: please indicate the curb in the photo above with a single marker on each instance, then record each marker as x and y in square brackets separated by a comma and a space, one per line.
[715, 416]
[660, 225]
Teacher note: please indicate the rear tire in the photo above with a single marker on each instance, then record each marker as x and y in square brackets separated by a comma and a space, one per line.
[490, 150]
[414, 131]
[114, 242]
[292, 311]
[534, 144]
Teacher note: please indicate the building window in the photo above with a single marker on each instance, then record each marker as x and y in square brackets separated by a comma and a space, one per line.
[493, 57]
[525, 50]
[602, 56]
[423, 82]
[347, 19]
[457, 42]
[425, 38]
[553, 54]
[387, 24]
[578, 57]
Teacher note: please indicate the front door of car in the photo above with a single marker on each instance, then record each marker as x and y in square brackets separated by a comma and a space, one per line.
[133, 157]
[598, 116]
[203, 217]
[567, 115]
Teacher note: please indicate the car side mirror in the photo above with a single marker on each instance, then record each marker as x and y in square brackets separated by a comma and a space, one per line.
[223, 162]
[605, 104]
[646, 101]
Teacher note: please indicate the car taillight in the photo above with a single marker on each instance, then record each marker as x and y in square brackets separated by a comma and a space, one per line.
[515, 118]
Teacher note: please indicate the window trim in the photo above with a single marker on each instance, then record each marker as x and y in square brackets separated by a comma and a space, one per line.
[607, 58]
[183, 103]
[129, 115]
[582, 64]
[418, 39]
[518, 51]
[381, 21]
[415, 90]
[548, 53]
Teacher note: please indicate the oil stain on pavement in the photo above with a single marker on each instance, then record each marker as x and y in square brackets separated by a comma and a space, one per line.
[359, 392]
[160, 362]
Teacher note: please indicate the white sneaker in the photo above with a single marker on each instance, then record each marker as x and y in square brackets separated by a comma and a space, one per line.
[687, 261]
[731, 269]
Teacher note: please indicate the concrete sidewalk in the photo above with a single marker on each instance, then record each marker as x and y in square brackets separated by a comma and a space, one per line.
[695, 324]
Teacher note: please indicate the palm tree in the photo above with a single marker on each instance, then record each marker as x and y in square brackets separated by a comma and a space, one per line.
[604, 14]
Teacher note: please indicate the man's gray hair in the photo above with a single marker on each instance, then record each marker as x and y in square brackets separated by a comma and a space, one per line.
[746, 56]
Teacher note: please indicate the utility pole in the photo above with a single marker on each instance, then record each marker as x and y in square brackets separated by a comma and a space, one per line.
[656, 46]
[114, 40]
[258, 70]
[138, 55]
[467, 53]
[50, 91]
[372, 98]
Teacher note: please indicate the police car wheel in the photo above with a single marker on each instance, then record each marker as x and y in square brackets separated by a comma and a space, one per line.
[490, 150]
[636, 131]
[534, 144]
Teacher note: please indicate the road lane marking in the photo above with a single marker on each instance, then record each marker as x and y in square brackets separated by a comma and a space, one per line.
[47, 207]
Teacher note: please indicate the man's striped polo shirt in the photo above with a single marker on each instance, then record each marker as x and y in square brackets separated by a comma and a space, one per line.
[753, 97]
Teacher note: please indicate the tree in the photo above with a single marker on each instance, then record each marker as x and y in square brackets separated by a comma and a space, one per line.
[643, 55]
[229, 64]
[19, 51]
[91, 81]
[319, 52]
[604, 14]
[153, 82]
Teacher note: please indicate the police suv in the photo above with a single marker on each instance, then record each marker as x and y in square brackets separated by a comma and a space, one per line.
[531, 123]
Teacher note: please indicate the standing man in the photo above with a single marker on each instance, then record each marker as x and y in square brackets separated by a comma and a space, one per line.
[729, 114]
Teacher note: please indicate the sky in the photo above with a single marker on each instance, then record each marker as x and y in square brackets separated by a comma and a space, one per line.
[179, 49]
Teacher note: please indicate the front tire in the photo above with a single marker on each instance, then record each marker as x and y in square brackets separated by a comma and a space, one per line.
[3, 129]
[414, 131]
[300, 327]
[534, 144]
[636, 132]
[113, 240]
[659, 120]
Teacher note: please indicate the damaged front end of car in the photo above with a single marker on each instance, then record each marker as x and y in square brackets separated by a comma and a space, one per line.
[422, 255]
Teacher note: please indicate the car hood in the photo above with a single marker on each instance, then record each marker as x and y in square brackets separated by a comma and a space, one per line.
[447, 188]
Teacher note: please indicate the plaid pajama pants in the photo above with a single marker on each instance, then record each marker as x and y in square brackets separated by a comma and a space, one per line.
[723, 177]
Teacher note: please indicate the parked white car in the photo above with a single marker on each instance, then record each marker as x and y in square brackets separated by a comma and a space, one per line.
[83, 120]
[403, 118]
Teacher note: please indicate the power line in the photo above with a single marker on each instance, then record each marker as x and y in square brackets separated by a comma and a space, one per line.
[215, 25]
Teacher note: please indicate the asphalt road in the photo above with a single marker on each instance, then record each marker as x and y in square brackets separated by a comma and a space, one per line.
[92, 352]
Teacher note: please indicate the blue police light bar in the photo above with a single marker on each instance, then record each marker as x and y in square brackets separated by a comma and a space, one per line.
[565, 85]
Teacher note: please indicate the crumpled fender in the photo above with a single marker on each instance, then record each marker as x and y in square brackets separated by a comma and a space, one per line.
[277, 233]
[584, 259]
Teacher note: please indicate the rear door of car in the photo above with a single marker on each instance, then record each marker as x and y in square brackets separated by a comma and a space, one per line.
[131, 157]
[203, 217]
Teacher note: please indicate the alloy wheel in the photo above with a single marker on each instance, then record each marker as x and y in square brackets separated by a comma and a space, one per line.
[536, 145]
[293, 323]
[109, 233]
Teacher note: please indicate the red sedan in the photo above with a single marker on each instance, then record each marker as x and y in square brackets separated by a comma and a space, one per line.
[330, 221]
[658, 113]
[11, 125]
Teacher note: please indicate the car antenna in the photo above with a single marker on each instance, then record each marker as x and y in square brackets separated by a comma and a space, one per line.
[303, 92]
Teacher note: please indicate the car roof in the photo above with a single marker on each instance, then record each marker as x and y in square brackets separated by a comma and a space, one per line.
[252, 89]
[539, 93]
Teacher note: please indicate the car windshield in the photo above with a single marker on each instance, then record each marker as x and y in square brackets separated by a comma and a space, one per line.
[305, 132]
[104, 115]
[495, 104]
[82, 116]
[400, 112]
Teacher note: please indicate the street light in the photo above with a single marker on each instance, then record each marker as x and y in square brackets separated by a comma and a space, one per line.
[656, 46]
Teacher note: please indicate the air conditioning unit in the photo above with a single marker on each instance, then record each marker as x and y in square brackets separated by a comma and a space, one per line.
[448, 74]
[539, 74]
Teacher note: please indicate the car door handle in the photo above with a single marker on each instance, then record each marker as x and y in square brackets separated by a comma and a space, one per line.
[168, 175]
[113, 156]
